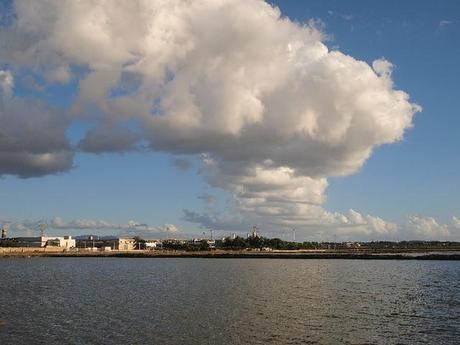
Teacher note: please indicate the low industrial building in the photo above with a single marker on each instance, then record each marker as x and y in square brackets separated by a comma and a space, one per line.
[42, 241]
[102, 243]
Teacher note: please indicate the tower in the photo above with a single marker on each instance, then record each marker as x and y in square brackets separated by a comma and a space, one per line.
[4, 232]
[254, 232]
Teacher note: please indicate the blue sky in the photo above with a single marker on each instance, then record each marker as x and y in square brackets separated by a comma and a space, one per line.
[416, 176]
[420, 174]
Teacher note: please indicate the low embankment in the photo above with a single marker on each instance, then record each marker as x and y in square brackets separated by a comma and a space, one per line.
[225, 254]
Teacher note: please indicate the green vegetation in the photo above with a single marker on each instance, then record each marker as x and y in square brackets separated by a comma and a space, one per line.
[236, 243]
[188, 246]
[239, 243]
[263, 242]
[7, 243]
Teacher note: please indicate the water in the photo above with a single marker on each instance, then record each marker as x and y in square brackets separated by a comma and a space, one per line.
[228, 301]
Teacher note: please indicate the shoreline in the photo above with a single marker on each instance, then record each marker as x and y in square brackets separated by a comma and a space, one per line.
[420, 255]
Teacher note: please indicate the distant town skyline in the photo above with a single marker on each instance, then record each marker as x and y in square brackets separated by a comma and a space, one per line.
[336, 119]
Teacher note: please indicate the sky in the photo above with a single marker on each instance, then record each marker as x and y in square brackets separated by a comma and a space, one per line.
[338, 119]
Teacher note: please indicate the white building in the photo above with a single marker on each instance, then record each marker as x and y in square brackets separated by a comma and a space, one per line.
[44, 241]
[153, 244]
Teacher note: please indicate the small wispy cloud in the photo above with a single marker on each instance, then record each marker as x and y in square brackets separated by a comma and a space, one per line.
[344, 16]
[182, 164]
[445, 22]
[207, 198]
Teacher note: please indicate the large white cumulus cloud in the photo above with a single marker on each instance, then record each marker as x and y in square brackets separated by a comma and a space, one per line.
[270, 108]
[32, 135]
[6, 83]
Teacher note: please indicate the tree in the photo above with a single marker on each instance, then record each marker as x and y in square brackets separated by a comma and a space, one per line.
[255, 242]
[234, 243]
[7, 243]
[204, 245]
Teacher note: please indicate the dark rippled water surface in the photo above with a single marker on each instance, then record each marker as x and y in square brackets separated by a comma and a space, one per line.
[228, 301]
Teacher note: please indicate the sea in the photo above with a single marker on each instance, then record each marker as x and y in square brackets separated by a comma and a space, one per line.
[228, 301]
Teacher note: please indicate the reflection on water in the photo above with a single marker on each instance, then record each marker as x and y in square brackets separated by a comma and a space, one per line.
[228, 301]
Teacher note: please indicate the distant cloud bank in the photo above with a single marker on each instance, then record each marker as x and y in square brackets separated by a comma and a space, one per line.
[353, 227]
[90, 226]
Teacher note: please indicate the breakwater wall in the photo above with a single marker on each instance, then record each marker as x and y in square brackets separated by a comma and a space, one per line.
[30, 250]
[61, 252]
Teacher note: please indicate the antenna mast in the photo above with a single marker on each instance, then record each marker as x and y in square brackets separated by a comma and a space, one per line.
[42, 228]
